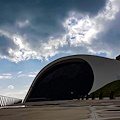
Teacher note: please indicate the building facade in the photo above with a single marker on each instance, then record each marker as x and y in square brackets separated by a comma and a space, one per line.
[73, 76]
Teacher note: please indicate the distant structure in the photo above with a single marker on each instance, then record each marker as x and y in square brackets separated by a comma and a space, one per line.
[93, 96]
[72, 76]
[87, 97]
[112, 95]
[100, 95]
[5, 101]
[118, 57]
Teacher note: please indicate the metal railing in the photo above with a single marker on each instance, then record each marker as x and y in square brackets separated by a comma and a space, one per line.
[4, 101]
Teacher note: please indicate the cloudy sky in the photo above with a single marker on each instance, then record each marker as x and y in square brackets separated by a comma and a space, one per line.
[36, 32]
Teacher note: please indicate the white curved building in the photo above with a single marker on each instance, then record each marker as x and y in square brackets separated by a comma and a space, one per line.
[68, 77]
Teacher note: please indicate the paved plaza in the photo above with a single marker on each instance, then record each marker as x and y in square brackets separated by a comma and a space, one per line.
[64, 110]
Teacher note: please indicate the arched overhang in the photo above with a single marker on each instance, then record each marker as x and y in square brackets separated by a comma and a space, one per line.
[73, 86]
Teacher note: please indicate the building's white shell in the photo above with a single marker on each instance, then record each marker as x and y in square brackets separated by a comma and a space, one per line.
[105, 70]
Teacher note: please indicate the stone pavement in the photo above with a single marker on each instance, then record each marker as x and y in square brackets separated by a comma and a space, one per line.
[64, 110]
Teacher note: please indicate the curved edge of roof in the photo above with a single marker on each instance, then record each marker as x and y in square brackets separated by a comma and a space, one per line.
[59, 60]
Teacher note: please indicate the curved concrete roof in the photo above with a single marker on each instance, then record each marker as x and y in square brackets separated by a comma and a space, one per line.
[105, 70]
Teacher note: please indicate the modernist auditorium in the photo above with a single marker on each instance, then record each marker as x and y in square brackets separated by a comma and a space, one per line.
[70, 76]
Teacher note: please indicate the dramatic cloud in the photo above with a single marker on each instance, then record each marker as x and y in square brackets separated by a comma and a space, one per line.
[22, 24]
[53, 27]
[88, 32]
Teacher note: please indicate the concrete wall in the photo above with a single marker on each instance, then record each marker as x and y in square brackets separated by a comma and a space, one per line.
[105, 70]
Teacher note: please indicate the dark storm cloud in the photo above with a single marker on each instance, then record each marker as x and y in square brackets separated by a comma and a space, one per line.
[110, 37]
[46, 16]
[45, 19]
[105, 35]
[5, 45]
